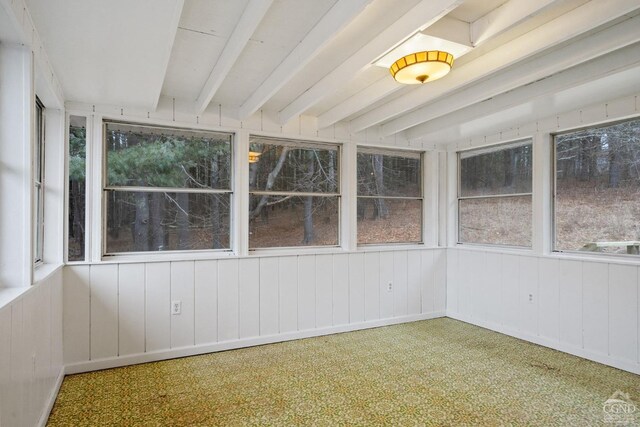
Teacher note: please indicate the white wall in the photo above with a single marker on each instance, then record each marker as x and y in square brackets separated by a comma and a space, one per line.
[31, 368]
[117, 314]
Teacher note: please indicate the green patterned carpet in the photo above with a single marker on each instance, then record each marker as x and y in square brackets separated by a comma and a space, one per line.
[434, 372]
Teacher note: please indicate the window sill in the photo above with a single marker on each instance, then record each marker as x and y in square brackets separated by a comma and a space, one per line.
[8, 295]
[43, 271]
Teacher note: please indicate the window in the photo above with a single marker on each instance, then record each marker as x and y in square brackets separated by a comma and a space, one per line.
[77, 182]
[294, 193]
[38, 190]
[494, 195]
[597, 186]
[389, 197]
[166, 189]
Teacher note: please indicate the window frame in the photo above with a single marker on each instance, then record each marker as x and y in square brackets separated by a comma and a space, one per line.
[492, 148]
[554, 176]
[105, 189]
[38, 183]
[420, 155]
[299, 143]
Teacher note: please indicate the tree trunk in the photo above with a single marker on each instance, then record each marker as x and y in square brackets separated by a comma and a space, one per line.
[183, 220]
[157, 230]
[270, 181]
[380, 207]
[308, 201]
[215, 205]
[141, 223]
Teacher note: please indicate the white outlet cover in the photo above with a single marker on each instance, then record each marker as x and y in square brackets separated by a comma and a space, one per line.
[176, 307]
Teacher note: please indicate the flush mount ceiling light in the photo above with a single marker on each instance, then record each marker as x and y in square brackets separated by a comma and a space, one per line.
[421, 67]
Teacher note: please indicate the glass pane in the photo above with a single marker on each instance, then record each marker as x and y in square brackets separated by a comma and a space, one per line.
[294, 168]
[39, 142]
[389, 221]
[285, 221]
[77, 176]
[597, 202]
[496, 171]
[38, 232]
[385, 175]
[157, 221]
[496, 221]
[141, 156]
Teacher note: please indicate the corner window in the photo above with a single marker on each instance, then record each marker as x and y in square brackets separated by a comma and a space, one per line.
[597, 181]
[166, 189]
[294, 193]
[494, 195]
[77, 188]
[390, 200]
[38, 180]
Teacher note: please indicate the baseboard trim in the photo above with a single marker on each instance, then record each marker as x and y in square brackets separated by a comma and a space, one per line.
[134, 359]
[52, 398]
[550, 343]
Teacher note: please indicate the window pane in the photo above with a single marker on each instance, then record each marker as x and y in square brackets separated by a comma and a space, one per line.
[388, 175]
[285, 221]
[77, 176]
[140, 156]
[597, 202]
[290, 168]
[500, 170]
[497, 220]
[389, 220]
[159, 221]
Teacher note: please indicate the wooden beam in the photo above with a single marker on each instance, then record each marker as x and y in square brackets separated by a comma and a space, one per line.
[320, 35]
[173, 29]
[246, 26]
[418, 18]
[561, 29]
[601, 43]
[620, 61]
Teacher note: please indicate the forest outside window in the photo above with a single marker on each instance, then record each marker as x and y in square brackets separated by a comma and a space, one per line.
[77, 188]
[294, 193]
[390, 200]
[38, 190]
[166, 189]
[597, 183]
[494, 195]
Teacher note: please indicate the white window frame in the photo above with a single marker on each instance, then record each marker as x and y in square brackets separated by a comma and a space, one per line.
[38, 183]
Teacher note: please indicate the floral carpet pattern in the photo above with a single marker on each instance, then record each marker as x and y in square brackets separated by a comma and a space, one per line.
[434, 372]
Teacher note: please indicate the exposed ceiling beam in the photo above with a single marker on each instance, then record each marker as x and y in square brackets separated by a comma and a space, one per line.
[322, 33]
[418, 18]
[612, 38]
[563, 28]
[504, 17]
[246, 26]
[613, 63]
[173, 29]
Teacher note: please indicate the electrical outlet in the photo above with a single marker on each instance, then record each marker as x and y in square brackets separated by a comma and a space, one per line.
[530, 298]
[389, 287]
[176, 307]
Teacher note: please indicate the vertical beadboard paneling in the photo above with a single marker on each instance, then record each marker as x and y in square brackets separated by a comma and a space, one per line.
[182, 289]
[400, 285]
[340, 289]
[6, 388]
[386, 277]
[424, 262]
[477, 288]
[528, 285]
[509, 291]
[356, 288]
[76, 313]
[324, 290]
[288, 294]
[414, 282]
[269, 312]
[157, 306]
[131, 309]
[371, 285]
[570, 302]
[104, 311]
[249, 297]
[228, 300]
[623, 309]
[453, 280]
[306, 292]
[549, 299]
[19, 379]
[595, 306]
[439, 279]
[493, 268]
[205, 278]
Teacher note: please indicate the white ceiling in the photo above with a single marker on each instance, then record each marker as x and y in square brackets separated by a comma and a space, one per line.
[314, 57]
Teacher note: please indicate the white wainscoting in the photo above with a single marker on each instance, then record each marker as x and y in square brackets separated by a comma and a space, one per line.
[31, 368]
[583, 307]
[118, 314]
